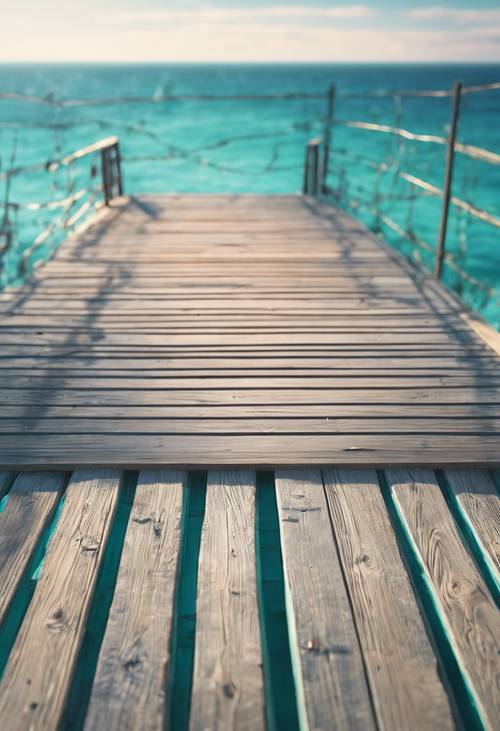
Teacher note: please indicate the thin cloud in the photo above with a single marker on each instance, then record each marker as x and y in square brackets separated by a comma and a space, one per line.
[212, 14]
[278, 33]
[199, 44]
[478, 16]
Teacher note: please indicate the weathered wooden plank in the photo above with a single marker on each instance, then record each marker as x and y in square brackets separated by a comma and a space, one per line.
[177, 306]
[218, 298]
[477, 495]
[330, 675]
[390, 413]
[405, 682]
[78, 336]
[301, 364]
[361, 383]
[30, 505]
[258, 424]
[189, 451]
[37, 677]
[84, 352]
[130, 684]
[471, 616]
[468, 398]
[227, 681]
[248, 322]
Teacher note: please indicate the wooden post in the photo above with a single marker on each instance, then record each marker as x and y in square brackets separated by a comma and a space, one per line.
[311, 168]
[305, 185]
[314, 168]
[448, 177]
[118, 162]
[327, 135]
[105, 175]
[111, 172]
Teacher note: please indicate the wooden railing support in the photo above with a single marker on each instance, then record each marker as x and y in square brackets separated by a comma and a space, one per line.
[448, 178]
[312, 171]
[327, 136]
[106, 183]
[112, 183]
[118, 168]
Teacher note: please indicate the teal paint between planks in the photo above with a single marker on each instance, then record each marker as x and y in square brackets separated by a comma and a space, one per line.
[183, 636]
[470, 538]
[281, 698]
[279, 685]
[24, 592]
[462, 693]
[281, 703]
[81, 686]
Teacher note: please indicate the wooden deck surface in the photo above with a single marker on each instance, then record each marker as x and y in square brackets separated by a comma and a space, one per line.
[384, 605]
[248, 480]
[191, 330]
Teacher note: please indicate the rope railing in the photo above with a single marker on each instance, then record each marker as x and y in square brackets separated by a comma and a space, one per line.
[478, 153]
[316, 179]
[458, 202]
[322, 159]
[108, 152]
[53, 101]
[174, 151]
[467, 149]
[425, 246]
[50, 205]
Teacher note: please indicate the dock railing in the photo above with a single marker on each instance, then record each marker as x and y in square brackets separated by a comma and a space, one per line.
[105, 165]
[318, 162]
[327, 167]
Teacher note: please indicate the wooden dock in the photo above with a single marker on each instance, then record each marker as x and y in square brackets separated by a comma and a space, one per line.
[214, 331]
[249, 467]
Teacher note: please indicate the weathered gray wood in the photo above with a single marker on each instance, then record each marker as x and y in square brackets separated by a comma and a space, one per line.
[227, 681]
[362, 383]
[30, 505]
[331, 683]
[469, 398]
[144, 426]
[473, 619]
[133, 668]
[392, 414]
[189, 451]
[405, 682]
[238, 301]
[37, 677]
[477, 495]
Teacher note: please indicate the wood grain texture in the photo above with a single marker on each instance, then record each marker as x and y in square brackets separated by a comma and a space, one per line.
[228, 688]
[405, 682]
[265, 451]
[39, 671]
[476, 492]
[472, 618]
[131, 680]
[330, 675]
[232, 301]
[239, 425]
[30, 505]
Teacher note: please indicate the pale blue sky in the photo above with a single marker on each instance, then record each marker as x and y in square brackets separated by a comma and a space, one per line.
[249, 30]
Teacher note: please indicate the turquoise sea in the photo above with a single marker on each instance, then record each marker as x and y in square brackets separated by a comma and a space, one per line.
[257, 146]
